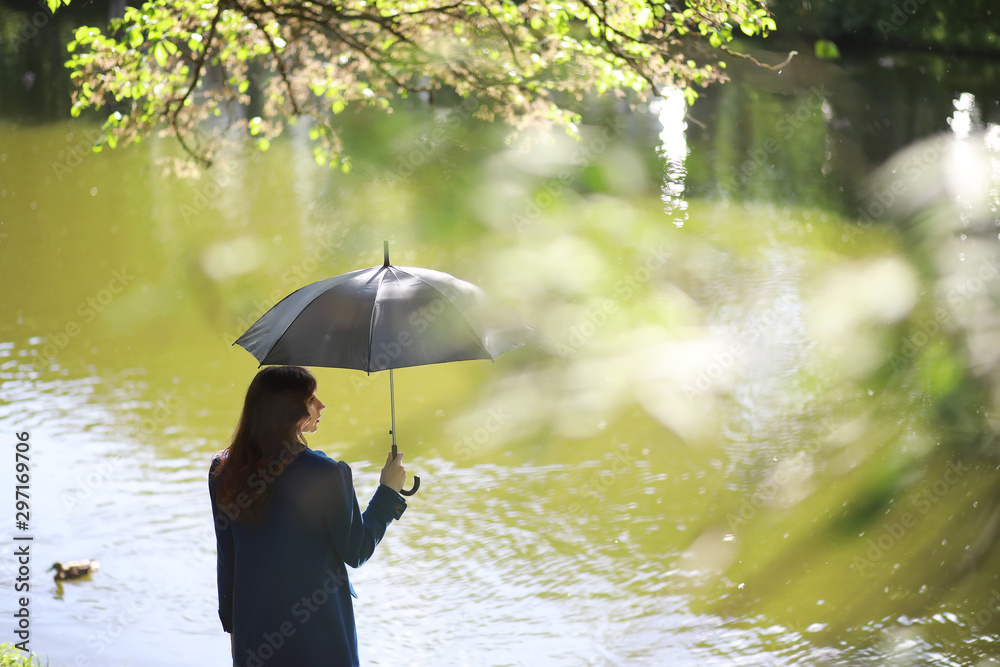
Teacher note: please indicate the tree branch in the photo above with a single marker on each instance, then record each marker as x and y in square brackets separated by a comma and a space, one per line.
[613, 48]
[747, 56]
[510, 44]
[277, 58]
[198, 67]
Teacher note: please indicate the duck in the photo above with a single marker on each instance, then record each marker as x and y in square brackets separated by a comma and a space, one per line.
[74, 569]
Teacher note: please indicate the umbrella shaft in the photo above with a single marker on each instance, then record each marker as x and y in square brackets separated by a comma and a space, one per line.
[392, 409]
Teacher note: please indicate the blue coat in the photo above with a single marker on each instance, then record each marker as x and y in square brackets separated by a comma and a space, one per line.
[284, 593]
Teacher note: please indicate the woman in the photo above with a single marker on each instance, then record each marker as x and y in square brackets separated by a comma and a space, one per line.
[287, 522]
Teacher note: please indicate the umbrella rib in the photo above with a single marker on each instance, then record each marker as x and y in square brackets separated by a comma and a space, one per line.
[319, 287]
[475, 337]
[380, 274]
[289, 324]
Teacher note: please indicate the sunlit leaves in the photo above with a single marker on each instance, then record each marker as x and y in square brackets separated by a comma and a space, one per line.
[135, 37]
[162, 51]
[184, 62]
[53, 5]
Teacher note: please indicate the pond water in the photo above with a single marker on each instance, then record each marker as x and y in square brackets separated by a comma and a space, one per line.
[662, 481]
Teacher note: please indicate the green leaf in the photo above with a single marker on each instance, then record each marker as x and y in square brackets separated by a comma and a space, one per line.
[826, 50]
[160, 53]
[135, 37]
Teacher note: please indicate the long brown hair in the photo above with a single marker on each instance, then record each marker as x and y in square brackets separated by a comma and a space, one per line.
[266, 440]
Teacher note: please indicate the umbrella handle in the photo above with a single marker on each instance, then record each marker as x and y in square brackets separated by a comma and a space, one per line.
[416, 485]
[416, 479]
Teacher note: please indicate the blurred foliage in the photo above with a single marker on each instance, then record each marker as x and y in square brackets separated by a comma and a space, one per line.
[14, 657]
[954, 25]
[901, 465]
[944, 193]
[826, 49]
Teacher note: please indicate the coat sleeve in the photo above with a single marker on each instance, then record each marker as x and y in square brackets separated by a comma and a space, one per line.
[225, 552]
[354, 535]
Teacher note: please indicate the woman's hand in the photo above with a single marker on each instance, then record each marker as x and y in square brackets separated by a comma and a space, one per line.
[393, 473]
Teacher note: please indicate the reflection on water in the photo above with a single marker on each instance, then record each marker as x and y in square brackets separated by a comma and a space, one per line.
[671, 477]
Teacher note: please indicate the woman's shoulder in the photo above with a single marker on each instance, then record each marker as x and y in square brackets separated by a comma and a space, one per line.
[320, 460]
[217, 459]
[311, 466]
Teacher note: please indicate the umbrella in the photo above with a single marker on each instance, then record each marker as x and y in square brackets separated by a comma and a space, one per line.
[383, 318]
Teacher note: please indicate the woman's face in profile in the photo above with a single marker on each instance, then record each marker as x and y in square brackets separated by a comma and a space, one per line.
[311, 423]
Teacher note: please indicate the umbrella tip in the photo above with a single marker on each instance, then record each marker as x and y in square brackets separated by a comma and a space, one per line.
[385, 251]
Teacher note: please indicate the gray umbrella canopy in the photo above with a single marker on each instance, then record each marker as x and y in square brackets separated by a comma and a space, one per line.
[382, 318]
